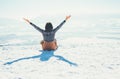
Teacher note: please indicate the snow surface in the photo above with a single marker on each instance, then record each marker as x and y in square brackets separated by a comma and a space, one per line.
[82, 53]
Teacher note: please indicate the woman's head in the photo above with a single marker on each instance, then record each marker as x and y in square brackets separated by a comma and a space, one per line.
[48, 27]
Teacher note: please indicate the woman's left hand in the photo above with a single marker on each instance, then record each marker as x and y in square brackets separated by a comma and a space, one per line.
[67, 17]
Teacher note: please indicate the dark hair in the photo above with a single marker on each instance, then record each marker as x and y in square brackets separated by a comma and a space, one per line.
[48, 27]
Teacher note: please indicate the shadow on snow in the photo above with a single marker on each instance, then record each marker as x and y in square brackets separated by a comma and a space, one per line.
[44, 56]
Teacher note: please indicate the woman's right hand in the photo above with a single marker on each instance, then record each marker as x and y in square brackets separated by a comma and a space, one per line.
[26, 20]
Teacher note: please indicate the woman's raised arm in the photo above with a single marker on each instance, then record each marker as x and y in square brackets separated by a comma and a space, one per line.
[26, 20]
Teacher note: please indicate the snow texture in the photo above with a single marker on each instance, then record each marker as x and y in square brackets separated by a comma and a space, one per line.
[86, 52]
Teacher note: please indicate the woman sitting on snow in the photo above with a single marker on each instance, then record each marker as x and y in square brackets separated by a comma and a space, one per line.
[49, 42]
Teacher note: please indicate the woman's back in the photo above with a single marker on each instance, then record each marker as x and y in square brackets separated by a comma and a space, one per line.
[48, 36]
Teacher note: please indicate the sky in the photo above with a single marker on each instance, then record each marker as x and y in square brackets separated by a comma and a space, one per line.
[35, 8]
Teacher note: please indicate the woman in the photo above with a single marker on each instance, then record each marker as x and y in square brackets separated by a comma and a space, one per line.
[49, 42]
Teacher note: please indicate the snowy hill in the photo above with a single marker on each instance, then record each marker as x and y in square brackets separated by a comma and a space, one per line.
[87, 50]
[81, 58]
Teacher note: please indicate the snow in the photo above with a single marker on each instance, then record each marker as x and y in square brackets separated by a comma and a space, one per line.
[82, 59]
[83, 55]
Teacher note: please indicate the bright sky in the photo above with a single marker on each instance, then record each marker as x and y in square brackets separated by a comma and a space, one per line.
[36, 8]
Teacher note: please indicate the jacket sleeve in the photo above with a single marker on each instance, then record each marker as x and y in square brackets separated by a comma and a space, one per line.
[36, 27]
[59, 26]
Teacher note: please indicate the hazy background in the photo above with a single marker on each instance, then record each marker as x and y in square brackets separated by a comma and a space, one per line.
[90, 18]
[38, 8]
